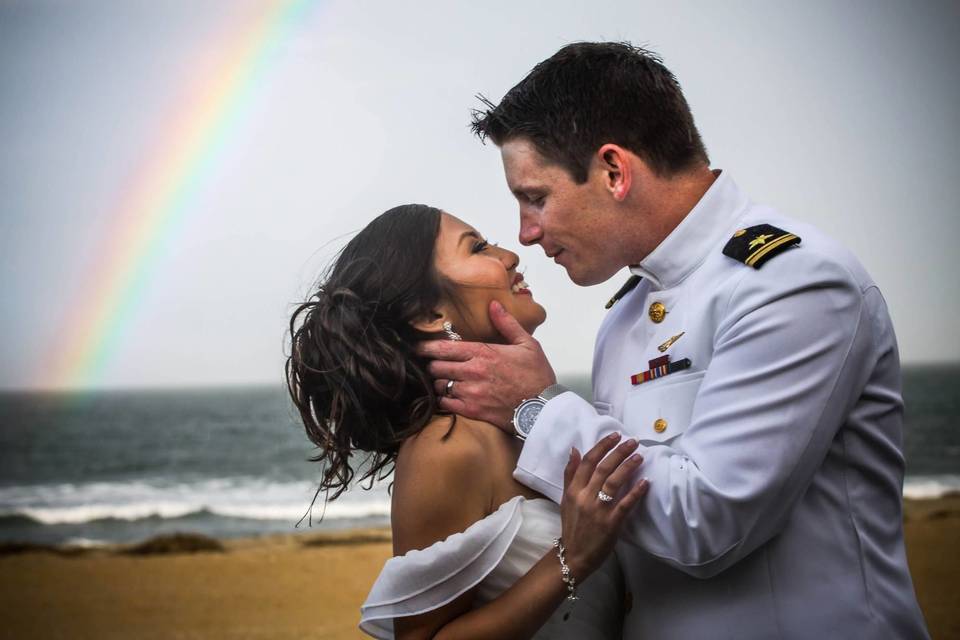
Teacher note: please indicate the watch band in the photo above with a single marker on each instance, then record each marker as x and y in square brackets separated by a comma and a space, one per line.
[542, 398]
[553, 391]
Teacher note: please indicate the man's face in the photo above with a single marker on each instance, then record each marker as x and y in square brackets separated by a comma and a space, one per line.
[575, 224]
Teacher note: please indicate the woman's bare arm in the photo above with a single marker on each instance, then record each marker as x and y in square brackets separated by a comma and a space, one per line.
[443, 492]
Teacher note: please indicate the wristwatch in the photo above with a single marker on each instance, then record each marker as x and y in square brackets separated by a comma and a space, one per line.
[526, 413]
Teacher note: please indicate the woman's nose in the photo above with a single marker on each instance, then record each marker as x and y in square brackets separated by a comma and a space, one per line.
[510, 259]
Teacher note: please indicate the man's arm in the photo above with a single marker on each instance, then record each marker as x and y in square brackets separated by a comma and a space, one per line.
[789, 361]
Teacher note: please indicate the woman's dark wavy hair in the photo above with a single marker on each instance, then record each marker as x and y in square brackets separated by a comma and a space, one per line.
[352, 370]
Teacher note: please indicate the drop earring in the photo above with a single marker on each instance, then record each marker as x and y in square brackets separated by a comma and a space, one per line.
[451, 334]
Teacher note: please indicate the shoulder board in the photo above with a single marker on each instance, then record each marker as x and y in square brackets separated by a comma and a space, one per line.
[628, 286]
[755, 245]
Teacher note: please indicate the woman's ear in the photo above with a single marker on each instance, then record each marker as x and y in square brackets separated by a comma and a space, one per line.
[432, 323]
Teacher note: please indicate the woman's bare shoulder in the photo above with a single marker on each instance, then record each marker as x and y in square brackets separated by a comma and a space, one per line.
[448, 448]
[441, 483]
[447, 440]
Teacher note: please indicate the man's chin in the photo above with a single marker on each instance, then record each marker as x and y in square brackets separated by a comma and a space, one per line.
[583, 279]
[587, 279]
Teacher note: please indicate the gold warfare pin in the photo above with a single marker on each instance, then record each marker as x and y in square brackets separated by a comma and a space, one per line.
[666, 345]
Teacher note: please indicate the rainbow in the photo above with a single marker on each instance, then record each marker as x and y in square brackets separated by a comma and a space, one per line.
[155, 205]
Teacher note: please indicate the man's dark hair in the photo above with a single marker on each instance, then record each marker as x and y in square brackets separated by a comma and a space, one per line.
[589, 94]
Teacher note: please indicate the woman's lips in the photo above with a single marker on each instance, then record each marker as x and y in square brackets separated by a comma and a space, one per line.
[519, 286]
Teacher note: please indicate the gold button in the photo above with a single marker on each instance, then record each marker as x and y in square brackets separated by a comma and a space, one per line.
[660, 425]
[658, 312]
[739, 233]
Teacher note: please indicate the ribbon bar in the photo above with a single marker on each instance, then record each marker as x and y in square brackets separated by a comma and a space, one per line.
[659, 372]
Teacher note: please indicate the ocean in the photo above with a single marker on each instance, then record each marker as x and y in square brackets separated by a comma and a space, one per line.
[122, 466]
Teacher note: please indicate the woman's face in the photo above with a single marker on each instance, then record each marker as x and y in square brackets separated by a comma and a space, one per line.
[481, 273]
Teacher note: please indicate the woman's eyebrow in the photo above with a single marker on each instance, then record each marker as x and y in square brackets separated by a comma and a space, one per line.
[468, 234]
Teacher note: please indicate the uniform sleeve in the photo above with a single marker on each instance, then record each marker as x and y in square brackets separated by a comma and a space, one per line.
[790, 359]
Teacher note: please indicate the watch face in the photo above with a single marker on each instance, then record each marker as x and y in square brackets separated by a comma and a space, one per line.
[527, 414]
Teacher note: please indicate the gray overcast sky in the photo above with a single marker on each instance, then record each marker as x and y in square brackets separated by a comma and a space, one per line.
[840, 113]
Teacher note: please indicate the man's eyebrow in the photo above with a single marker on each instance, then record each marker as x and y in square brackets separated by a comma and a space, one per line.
[524, 191]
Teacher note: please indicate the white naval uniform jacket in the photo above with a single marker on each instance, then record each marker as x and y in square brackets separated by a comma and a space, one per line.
[774, 508]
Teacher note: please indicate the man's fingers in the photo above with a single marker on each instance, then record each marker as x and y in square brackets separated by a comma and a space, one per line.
[446, 350]
[461, 389]
[444, 370]
[442, 388]
[452, 405]
[506, 324]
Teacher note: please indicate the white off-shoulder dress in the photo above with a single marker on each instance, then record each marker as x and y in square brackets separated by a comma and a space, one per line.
[492, 554]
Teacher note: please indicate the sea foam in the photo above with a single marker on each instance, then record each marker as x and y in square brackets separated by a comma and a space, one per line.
[929, 487]
[243, 498]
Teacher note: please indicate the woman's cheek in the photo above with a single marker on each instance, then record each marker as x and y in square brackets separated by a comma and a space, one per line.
[533, 317]
[477, 321]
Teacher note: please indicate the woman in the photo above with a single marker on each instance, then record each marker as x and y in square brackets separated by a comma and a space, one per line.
[474, 550]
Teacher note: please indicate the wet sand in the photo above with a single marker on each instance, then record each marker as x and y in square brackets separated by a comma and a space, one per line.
[279, 587]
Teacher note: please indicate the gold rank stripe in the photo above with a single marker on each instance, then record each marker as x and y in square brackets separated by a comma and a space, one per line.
[767, 248]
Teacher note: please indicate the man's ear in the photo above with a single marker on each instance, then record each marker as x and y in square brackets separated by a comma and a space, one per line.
[614, 161]
[432, 322]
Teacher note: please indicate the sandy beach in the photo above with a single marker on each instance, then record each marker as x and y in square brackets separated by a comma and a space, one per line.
[307, 585]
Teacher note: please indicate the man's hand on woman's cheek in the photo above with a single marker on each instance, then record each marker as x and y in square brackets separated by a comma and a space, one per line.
[489, 380]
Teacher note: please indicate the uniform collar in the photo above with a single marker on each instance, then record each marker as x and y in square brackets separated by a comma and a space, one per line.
[698, 233]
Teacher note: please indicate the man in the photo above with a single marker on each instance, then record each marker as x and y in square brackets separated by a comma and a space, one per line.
[751, 356]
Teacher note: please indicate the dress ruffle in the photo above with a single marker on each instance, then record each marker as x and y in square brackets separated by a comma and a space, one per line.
[426, 579]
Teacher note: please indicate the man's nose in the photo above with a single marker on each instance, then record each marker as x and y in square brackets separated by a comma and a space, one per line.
[530, 231]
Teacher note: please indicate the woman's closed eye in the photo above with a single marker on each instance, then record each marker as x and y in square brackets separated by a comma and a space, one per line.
[483, 245]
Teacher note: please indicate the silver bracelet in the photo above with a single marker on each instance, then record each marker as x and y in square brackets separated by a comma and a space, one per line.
[568, 579]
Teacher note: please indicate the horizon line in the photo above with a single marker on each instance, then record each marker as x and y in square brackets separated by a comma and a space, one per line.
[226, 386]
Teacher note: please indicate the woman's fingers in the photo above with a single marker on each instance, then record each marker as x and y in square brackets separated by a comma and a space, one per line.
[592, 458]
[591, 525]
[571, 468]
[610, 464]
[628, 501]
[621, 475]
